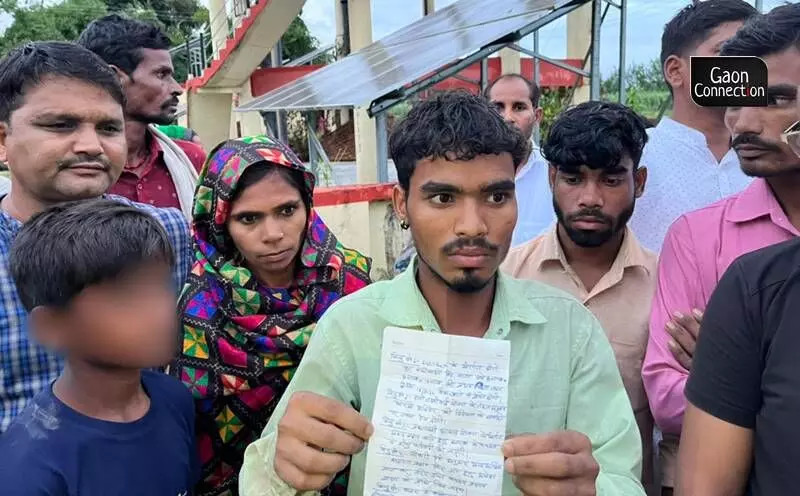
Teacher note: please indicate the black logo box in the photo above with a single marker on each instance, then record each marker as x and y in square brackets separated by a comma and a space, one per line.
[729, 81]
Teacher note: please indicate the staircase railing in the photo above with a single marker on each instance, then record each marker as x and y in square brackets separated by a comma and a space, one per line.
[233, 11]
[197, 52]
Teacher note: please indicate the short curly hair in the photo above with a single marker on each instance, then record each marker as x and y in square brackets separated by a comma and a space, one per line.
[597, 135]
[119, 40]
[454, 125]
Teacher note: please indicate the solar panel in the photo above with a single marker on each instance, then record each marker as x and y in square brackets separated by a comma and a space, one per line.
[407, 55]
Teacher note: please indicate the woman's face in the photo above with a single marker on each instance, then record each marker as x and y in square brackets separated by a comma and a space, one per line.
[268, 224]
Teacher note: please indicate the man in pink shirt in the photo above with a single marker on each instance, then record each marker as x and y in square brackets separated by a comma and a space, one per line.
[701, 245]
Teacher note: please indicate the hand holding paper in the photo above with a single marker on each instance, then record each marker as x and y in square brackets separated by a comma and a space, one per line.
[440, 416]
[555, 464]
[311, 424]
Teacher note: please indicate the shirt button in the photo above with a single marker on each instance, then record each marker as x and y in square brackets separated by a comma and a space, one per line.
[139, 186]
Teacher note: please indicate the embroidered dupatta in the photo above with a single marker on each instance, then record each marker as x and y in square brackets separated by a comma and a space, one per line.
[243, 341]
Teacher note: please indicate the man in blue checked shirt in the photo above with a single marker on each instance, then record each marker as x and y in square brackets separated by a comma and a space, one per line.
[62, 135]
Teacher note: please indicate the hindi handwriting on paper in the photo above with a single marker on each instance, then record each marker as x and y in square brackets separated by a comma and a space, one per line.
[440, 416]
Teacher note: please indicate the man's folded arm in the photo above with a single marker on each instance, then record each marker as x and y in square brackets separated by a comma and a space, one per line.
[679, 290]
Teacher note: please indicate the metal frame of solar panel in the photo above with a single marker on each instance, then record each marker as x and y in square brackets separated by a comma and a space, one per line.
[416, 56]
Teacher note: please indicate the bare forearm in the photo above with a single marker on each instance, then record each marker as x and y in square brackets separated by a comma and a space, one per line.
[714, 458]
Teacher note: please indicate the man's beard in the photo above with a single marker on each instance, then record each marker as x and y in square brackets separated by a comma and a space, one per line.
[468, 283]
[593, 238]
[164, 118]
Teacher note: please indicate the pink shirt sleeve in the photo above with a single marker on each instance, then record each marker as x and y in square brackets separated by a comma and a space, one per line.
[679, 290]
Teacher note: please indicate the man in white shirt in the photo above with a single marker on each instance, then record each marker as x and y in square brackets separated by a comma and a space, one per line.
[517, 99]
[534, 199]
[688, 157]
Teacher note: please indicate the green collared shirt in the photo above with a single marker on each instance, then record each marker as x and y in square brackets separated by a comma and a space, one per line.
[562, 375]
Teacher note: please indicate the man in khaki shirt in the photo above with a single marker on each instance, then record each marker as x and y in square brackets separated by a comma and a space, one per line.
[594, 151]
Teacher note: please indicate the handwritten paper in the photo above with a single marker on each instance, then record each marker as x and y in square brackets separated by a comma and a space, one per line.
[440, 416]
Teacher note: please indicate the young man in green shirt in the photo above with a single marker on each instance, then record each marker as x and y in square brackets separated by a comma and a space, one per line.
[456, 159]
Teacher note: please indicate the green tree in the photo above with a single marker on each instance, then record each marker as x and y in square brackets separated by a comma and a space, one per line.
[179, 18]
[60, 22]
[646, 90]
[643, 77]
[552, 103]
[65, 21]
[297, 40]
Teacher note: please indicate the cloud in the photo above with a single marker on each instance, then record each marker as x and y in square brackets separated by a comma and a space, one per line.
[320, 18]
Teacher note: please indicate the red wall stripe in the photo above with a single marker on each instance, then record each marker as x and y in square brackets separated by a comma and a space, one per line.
[340, 195]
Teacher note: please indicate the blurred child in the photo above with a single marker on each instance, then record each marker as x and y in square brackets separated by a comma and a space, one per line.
[95, 278]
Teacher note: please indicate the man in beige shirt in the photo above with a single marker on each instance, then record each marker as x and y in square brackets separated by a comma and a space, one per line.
[594, 151]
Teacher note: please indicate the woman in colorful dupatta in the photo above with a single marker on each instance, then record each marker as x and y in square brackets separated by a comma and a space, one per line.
[266, 268]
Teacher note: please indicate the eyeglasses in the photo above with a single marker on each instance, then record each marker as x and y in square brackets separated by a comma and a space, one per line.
[792, 137]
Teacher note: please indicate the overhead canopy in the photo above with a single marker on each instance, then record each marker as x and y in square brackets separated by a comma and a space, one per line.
[310, 57]
[412, 53]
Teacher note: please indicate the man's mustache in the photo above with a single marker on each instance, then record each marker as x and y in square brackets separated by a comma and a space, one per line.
[754, 140]
[172, 102]
[460, 243]
[591, 213]
[84, 158]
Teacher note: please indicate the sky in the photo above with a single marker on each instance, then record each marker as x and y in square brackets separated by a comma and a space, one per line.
[646, 19]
